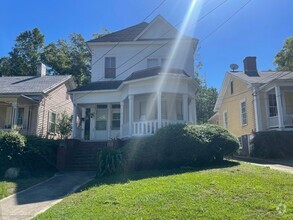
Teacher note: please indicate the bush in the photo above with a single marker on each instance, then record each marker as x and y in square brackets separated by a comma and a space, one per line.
[109, 161]
[32, 154]
[273, 144]
[180, 145]
[12, 148]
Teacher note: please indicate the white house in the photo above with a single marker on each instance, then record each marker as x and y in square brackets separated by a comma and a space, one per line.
[142, 79]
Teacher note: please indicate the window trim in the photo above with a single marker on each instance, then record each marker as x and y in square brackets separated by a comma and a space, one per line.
[241, 113]
[110, 75]
[269, 106]
[50, 123]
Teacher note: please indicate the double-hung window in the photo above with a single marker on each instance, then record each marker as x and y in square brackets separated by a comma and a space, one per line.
[110, 67]
[273, 110]
[225, 119]
[101, 117]
[52, 122]
[243, 113]
[20, 115]
[115, 117]
[179, 109]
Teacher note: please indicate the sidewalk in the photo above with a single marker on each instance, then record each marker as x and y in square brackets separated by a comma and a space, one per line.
[28, 203]
[281, 165]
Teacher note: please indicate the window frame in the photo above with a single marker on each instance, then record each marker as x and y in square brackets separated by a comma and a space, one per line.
[242, 114]
[101, 108]
[52, 124]
[225, 119]
[272, 107]
[110, 72]
[115, 110]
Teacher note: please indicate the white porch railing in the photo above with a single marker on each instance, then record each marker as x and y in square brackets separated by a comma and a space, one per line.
[141, 128]
[273, 122]
[288, 120]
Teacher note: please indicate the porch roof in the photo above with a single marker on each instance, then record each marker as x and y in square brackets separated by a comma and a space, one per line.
[100, 85]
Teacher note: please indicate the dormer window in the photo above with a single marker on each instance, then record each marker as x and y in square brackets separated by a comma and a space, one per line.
[231, 87]
[110, 67]
[152, 62]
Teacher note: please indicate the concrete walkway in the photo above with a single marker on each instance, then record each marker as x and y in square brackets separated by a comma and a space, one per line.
[28, 203]
[286, 166]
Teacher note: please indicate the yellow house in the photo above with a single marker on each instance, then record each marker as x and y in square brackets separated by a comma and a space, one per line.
[252, 101]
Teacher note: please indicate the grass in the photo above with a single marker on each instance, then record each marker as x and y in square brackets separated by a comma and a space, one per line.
[9, 187]
[234, 191]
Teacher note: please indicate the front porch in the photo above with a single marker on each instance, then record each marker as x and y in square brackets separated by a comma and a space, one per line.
[136, 115]
[279, 107]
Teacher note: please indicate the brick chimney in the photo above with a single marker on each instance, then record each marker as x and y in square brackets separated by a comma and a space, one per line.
[250, 68]
[41, 70]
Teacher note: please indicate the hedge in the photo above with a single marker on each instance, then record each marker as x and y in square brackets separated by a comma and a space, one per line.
[273, 144]
[31, 154]
[180, 145]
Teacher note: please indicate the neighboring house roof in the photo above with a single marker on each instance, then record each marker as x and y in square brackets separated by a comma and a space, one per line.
[100, 85]
[154, 71]
[127, 34]
[30, 84]
[264, 78]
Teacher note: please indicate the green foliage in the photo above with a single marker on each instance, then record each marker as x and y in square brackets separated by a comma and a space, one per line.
[180, 145]
[64, 126]
[29, 153]
[284, 58]
[25, 55]
[110, 161]
[69, 58]
[12, 148]
[273, 144]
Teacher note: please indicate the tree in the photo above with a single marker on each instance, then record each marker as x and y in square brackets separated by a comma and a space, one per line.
[69, 58]
[206, 99]
[64, 126]
[25, 55]
[284, 58]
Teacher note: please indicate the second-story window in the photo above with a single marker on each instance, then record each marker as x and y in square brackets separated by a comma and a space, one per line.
[110, 67]
[152, 62]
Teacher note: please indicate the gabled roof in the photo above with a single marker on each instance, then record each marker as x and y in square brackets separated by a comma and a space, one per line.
[154, 71]
[264, 78]
[30, 84]
[124, 35]
[100, 85]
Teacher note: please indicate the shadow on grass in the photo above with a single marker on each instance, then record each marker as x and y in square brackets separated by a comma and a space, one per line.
[138, 175]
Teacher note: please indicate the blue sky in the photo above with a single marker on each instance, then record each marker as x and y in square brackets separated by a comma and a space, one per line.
[259, 29]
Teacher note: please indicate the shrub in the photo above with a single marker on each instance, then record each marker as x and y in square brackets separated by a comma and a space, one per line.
[64, 126]
[109, 161]
[12, 148]
[180, 145]
[273, 144]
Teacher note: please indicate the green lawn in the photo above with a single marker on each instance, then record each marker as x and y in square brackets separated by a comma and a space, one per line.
[8, 187]
[232, 191]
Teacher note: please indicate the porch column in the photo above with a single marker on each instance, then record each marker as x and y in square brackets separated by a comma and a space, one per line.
[257, 112]
[195, 113]
[82, 122]
[159, 109]
[109, 125]
[14, 116]
[279, 107]
[74, 121]
[192, 112]
[185, 107]
[130, 112]
[121, 118]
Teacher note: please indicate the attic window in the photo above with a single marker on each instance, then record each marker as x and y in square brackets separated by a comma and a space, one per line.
[231, 87]
[110, 67]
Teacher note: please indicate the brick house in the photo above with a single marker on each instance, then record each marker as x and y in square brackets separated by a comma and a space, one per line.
[34, 103]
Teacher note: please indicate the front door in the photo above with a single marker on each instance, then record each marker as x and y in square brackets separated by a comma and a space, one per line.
[87, 124]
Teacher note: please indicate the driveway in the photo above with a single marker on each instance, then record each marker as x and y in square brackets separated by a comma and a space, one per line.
[28, 203]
